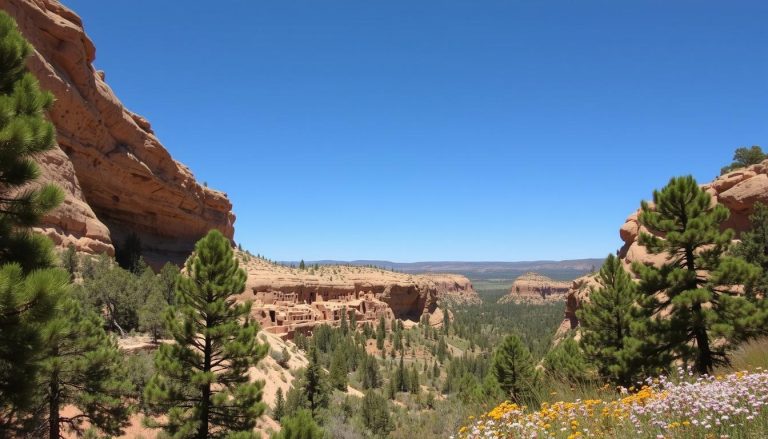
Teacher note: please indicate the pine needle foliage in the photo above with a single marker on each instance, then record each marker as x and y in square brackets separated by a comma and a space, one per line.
[82, 368]
[29, 288]
[753, 247]
[606, 321]
[24, 134]
[27, 304]
[513, 368]
[692, 299]
[202, 382]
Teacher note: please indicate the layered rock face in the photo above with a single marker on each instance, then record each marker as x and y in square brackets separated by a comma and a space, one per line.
[454, 288]
[738, 190]
[535, 288]
[118, 177]
[288, 300]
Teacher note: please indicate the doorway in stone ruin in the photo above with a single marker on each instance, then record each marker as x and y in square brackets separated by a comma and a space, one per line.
[272, 315]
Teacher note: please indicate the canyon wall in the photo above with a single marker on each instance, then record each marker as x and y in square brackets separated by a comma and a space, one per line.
[738, 190]
[288, 300]
[117, 176]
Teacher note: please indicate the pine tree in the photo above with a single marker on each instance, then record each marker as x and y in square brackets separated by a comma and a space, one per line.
[343, 325]
[605, 323]
[29, 289]
[82, 367]
[391, 389]
[413, 380]
[753, 247]
[513, 367]
[151, 314]
[566, 361]
[315, 382]
[338, 370]
[24, 134]
[299, 426]
[381, 333]
[70, 261]
[743, 157]
[442, 350]
[202, 380]
[370, 372]
[27, 304]
[691, 299]
[375, 413]
[301, 265]
[279, 411]
[167, 278]
[401, 377]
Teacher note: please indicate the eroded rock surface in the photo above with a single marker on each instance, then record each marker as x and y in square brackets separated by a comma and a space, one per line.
[535, 288]
[454, 289]
[117, 176]
[288, 300]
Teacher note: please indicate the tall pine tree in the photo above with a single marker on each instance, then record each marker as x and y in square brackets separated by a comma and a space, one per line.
[29, 290]
[24, 134]
[338, 369]
[82, 368]
[606, 321]
[315, 384]
[691, 300]
[202, 382]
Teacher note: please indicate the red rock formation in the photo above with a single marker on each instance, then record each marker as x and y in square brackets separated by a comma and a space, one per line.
[738, 190]
[454, 288]
[535, 288]
[117, 176]
[287, 300]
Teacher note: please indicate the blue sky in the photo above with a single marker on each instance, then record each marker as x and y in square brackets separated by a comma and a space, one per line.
[450, 130]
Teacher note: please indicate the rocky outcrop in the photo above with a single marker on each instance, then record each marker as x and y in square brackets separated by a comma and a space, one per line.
[287, 300]
[454, 289]
[738, 190]
[535, 288]
[117, 176]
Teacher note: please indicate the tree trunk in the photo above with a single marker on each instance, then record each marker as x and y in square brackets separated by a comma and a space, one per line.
[54, 429]
[205, 389]
[704, 362]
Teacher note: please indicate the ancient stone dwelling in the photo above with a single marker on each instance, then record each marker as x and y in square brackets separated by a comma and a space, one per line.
[285, 313]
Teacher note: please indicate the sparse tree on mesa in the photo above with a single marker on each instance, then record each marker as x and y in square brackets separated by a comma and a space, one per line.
[743, 157]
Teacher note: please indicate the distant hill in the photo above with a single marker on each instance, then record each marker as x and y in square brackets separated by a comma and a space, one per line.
[558, 270]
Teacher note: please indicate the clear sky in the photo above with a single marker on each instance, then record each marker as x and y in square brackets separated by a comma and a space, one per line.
[439, 130]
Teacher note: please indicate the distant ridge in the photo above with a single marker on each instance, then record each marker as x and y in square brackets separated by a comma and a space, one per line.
[464, 265]
[559, 270]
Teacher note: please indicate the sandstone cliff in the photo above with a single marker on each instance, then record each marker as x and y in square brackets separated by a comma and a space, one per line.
[535, 288]
[738, 190]
[287, 300]
[117, 176]
[454, 289]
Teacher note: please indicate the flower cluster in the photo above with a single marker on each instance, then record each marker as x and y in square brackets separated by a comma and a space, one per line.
[707, 406]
